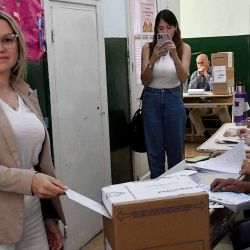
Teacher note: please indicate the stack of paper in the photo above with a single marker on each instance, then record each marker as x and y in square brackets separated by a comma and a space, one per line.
[229, 162]
[235, 201]
[196, 91]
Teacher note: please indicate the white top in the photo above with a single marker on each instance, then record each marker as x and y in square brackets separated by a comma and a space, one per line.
[29, 135]
[164, 74]
[28, 131]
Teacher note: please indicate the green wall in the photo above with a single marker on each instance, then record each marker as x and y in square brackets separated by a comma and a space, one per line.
[37, 78]
[240, 45]
[119, 108]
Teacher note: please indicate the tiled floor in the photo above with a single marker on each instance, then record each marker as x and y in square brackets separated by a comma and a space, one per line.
[190, 151]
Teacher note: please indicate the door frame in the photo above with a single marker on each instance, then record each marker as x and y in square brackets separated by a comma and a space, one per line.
[52, 77]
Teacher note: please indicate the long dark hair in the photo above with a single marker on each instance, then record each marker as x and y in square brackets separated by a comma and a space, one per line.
[169, 17]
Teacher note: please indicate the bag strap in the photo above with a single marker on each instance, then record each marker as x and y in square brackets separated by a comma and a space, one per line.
[140, 100]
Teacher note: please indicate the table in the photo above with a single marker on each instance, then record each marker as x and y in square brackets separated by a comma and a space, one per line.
[211, 146]
[220, 218]
[208, 100]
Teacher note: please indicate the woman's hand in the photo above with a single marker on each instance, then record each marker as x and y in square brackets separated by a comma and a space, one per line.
[54, 235]
[171, 46]
[45, 186]
[160, 49]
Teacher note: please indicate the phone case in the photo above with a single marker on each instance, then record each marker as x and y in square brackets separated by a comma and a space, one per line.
[162, 37]
[197, 159]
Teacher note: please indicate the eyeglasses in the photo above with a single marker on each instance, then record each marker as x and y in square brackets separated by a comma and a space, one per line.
[9, 41]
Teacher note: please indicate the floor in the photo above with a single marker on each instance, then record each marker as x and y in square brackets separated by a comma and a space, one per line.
[190, 151]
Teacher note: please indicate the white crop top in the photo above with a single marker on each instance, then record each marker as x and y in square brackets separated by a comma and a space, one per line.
[164, 74]
[28, 131]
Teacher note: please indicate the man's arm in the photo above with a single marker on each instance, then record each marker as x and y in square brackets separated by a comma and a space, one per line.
[198, 82]
[230, 185]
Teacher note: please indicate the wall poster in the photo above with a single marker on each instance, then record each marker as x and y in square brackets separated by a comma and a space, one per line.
[148, 10]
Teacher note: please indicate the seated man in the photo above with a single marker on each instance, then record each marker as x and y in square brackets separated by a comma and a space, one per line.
[240, 230]
[200, 80]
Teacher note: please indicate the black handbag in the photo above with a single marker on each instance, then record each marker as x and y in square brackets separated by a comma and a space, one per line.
[136, 131]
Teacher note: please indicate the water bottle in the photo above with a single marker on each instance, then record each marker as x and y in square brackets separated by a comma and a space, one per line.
[211, 83]
[240, 105]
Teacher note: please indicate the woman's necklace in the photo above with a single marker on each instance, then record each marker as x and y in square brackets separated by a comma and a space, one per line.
[10, 97]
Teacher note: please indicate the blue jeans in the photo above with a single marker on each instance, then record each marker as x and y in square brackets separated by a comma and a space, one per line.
[164, 119]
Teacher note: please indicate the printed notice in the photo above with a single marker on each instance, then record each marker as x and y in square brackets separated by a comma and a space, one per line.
[219, 74]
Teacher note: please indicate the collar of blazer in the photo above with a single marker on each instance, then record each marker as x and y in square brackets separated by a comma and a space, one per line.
[30, 98]
[8, 135]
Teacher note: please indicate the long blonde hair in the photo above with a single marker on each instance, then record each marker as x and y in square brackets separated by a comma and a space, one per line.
[20, 69]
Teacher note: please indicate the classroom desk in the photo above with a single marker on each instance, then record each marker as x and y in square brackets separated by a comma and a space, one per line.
[211, 146]
[208, 100]
[220, 218]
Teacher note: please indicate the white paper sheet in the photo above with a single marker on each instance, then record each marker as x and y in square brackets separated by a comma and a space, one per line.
[186, 172]
[219, 74]
[234, 201]
[213, 204]
[229, 162]
[196, 91]
[86, 202]
[192, 173]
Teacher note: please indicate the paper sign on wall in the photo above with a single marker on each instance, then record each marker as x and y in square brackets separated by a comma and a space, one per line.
[147, 16]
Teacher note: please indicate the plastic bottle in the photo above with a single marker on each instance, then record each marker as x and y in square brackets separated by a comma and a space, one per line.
[211, 83]
[240, 105]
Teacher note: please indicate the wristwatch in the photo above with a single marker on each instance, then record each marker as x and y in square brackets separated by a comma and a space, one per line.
[150, 66]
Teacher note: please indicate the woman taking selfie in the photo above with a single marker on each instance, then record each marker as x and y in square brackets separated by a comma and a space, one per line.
[165, 67]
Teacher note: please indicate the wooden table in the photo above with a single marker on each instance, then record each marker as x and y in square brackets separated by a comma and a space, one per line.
[208, 100]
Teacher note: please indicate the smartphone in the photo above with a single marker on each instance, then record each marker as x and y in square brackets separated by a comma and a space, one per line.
[162, 37]
[197, 159]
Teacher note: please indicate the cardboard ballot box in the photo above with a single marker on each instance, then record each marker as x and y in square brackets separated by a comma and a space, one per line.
[175, 222]
[223, 80]
[223, 72]
[223, 59]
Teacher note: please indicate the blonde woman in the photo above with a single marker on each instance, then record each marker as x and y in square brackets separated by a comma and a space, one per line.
[29, 203]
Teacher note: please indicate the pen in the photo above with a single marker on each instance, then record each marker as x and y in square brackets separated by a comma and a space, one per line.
[238, 178]
[226, 141]
[230, 142]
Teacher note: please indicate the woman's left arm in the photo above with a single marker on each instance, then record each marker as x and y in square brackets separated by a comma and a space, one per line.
[182, 66]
